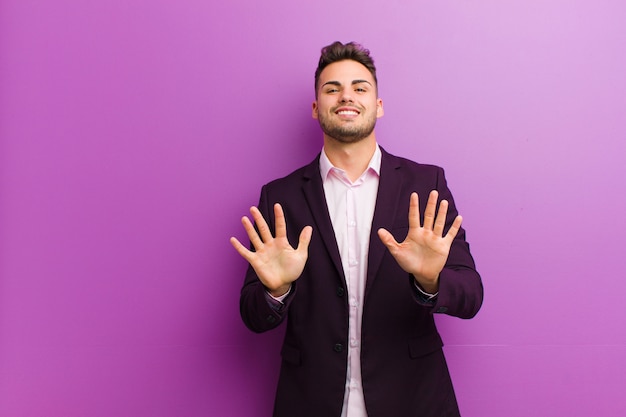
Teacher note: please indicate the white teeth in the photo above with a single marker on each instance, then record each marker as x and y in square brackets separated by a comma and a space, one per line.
[351, 112]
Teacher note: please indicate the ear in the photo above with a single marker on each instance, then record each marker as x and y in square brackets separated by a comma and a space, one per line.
[380, 111]
[314, 112]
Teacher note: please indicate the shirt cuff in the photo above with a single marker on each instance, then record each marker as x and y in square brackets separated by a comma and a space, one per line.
[277, 303]
[425, 296]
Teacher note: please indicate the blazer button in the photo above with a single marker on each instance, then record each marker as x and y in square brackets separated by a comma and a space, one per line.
[270, 319]
[338, 347]
[442, 309]
[340, 291]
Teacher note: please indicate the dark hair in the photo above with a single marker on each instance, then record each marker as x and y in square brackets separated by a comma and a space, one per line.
[337, 51]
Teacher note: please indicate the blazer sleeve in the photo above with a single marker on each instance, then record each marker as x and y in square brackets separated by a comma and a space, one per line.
[256, 312]
[460, 285]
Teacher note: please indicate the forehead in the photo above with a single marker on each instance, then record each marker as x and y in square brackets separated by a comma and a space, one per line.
[345, 72]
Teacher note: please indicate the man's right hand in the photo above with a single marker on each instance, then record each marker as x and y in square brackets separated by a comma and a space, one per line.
[275, 262]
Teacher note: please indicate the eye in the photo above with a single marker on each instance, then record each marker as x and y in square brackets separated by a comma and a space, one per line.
[360, 90]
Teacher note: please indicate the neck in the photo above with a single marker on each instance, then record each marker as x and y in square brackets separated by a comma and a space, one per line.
[351, 157]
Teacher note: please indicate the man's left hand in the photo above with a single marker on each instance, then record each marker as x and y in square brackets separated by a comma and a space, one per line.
[424, 251]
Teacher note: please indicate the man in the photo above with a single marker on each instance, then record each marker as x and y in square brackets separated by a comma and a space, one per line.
[343, 252]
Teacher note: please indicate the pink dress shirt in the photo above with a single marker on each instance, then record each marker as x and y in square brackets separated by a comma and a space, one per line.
[351, 207]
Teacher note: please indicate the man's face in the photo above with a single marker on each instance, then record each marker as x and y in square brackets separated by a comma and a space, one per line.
[347, 104]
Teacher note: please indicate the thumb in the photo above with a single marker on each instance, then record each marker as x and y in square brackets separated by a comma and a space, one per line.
[387, 238]
[305, 238]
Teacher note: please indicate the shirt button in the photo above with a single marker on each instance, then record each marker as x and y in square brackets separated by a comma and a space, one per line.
[354, 342]
[353, 302]
[354, 262]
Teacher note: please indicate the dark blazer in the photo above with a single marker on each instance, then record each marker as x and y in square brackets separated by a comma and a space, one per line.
[402, 364]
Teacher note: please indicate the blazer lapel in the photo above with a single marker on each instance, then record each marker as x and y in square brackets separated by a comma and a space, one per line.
[314, 195]
[387, 200]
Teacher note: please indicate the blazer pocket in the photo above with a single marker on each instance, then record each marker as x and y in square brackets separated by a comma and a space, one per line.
[423, 345]
[291, 355]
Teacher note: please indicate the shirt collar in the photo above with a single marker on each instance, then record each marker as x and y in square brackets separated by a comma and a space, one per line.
[326, 165]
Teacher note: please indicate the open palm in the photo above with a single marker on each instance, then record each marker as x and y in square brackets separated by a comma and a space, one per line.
[424, 251]
[275, 261]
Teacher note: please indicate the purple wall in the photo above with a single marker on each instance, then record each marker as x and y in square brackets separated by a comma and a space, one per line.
[134, 134]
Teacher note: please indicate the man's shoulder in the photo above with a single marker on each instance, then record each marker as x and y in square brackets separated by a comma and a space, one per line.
[395, 161]
[297, 176]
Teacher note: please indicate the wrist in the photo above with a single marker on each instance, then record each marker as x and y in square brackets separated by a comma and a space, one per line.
[280, 291]
[428, 287]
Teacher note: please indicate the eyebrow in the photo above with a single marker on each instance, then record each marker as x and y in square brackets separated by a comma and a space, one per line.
[338, 84]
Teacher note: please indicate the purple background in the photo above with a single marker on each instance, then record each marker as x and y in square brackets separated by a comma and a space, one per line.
[135, 134]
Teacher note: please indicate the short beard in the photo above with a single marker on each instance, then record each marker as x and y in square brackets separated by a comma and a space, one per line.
[347, 134]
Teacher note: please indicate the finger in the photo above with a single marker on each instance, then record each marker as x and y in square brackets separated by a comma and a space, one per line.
[454, 229]
[431, 207]
[414, 211]
[281, 225]
[252, 233]
[241, 249]
[440, 222]
[261, 224]
[256, 241]
[305, 239]
[387, 238]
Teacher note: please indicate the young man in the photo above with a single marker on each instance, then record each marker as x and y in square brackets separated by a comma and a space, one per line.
[343, 252]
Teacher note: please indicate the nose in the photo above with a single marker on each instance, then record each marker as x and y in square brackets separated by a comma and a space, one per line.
[346, 97]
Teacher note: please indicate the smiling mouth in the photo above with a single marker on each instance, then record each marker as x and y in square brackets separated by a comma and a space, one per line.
[347, 112]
